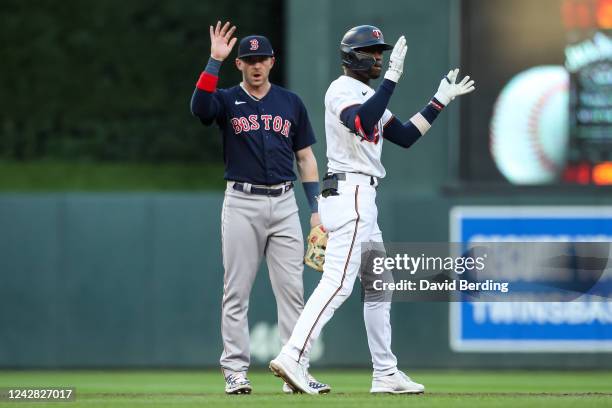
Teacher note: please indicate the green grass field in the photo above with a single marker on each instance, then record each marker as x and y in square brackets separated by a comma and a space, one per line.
[350, 389]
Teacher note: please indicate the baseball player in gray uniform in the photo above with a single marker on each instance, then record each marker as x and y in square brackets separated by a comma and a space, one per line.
[357, 122]
[264, 128]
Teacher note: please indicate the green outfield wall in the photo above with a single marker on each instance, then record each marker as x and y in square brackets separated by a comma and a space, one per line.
[135, 280]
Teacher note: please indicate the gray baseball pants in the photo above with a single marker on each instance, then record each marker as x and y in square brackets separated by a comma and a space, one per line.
[254, 227]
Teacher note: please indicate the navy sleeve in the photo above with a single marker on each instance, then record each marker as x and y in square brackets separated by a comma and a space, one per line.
[304, 135]
[403, 135]
[348, 115]
[207, 106]
[361, 119]
[206, 101]
[406, 134]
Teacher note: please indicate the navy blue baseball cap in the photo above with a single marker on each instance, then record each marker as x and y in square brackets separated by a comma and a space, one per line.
[255, 45]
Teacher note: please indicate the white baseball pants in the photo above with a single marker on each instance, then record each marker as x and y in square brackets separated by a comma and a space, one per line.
[350, 219]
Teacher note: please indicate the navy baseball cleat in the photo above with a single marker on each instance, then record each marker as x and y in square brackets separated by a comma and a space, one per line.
[315, 384]
[237, 383]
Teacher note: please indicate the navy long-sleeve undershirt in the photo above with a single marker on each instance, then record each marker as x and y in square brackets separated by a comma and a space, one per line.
[203, 104]
[402, 134]
[372, 110]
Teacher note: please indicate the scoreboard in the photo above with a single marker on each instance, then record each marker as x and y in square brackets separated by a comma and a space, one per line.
[588, 59]
[564, 47]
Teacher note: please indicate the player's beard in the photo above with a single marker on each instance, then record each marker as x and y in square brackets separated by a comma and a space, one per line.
[374, 73]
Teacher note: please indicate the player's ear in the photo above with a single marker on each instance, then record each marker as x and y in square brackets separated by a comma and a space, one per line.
[239, 64]
[272, 60]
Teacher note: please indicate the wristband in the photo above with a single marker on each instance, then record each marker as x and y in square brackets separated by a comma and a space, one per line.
[311, 188]
[437, 104]
[213, 67]
[209, 78]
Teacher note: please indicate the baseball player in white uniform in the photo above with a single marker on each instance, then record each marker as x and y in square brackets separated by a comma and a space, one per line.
[356, 123]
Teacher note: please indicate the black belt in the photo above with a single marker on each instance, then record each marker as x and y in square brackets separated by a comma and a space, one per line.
[266, 191]
[329, 186]
[342, 177]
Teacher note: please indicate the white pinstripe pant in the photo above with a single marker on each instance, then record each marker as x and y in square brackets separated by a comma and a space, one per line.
[350, 219]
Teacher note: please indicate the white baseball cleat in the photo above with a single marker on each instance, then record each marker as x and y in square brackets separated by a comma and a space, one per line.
[315, 384]
[292, 372]
[237, 383]
[398, 383]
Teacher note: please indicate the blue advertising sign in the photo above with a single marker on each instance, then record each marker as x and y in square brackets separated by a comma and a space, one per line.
[576, 326]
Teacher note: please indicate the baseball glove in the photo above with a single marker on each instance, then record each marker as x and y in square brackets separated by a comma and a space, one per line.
[315, 253]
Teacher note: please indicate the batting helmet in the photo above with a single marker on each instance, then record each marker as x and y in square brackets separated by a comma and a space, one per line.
[360, 37]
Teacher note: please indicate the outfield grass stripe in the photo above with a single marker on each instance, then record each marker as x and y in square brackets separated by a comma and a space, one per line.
[473, 389]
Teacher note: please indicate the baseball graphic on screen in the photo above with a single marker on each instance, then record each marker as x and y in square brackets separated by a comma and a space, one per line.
[530, 126]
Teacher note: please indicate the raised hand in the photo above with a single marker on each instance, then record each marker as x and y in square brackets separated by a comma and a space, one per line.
[396, 60]
[221, 40]
[449, 89]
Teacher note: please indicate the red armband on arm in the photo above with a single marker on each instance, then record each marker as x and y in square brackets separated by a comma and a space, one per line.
[207, 82]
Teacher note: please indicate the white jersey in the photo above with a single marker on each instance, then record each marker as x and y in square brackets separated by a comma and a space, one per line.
[346, 152]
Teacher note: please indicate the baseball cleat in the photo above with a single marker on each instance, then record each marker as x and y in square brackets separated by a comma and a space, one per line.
[316, 385]
[237, 383]
[398, 383]
[287, 389]
[292, 372]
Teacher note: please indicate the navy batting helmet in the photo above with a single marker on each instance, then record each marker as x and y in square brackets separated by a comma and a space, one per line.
[360, 37]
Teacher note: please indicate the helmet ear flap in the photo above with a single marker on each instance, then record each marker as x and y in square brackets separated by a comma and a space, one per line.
[346, 54]
[355, 60]
[349, 60]
[364, 60]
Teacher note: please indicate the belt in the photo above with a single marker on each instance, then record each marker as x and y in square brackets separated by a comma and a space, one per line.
[356, 178]
[266, 191]
[330, 182]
